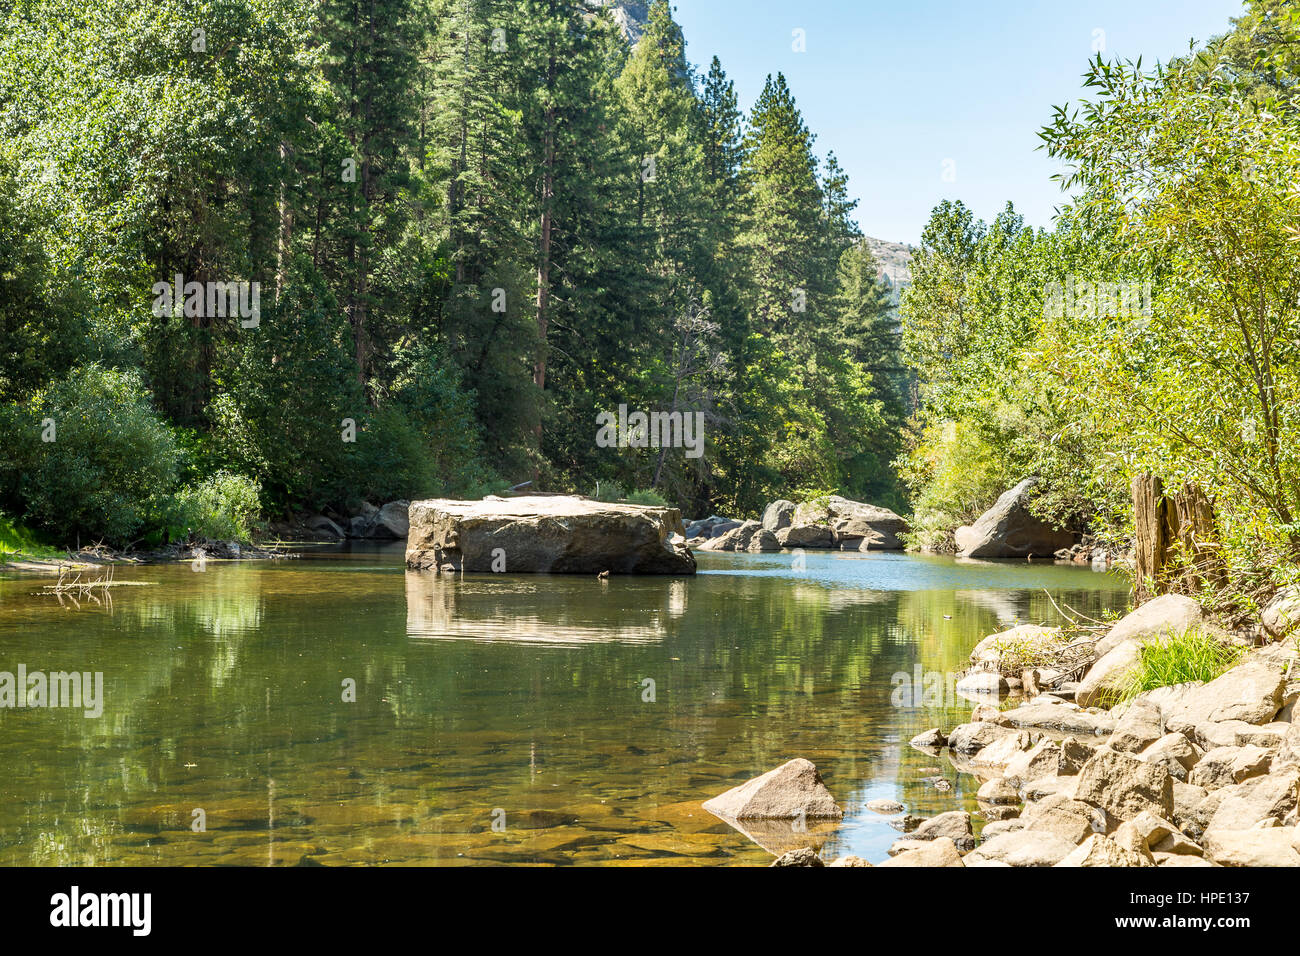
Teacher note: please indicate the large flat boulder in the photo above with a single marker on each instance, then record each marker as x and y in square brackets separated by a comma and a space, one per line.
[542, 534]
[938, 852]
[1008, 530]
[1273, 846]
[792, 790]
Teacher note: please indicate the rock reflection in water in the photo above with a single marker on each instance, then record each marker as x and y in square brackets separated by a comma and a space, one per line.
[561, 610]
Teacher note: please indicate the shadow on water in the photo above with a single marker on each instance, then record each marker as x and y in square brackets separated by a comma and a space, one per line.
[497, 719]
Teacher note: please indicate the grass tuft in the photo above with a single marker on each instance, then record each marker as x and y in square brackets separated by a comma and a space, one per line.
[1193, 655]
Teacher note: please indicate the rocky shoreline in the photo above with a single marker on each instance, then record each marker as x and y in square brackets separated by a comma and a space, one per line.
[1200, 774]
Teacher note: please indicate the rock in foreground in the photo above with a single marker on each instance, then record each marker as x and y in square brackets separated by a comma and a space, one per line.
[546, 535]
[792, 790]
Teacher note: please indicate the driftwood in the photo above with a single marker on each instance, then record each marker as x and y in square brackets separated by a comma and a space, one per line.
[1176, 541]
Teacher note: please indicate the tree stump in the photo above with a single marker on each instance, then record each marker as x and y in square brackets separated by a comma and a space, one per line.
[1175, 540]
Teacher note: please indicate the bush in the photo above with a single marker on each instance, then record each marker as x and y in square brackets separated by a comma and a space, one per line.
[646, 497]
[225, 507]
[956, 474]
[88, 457]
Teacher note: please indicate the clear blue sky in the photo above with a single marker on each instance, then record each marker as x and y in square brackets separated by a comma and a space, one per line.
[895, 89]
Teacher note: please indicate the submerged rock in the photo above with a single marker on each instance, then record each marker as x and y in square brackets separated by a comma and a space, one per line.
[805, 856]
[558, 534]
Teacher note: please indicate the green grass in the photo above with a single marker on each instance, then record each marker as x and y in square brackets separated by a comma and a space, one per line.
[15, 539]
[1193, 655]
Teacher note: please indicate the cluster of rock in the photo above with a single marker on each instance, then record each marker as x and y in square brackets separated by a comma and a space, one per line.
[546, 534]
[832, 522]
[388, 522]
[1200, 774]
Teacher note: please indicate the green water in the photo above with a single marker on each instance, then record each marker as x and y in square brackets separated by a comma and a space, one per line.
[498, 719]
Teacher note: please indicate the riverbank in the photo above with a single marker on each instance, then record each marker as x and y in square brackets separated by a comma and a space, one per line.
[1200, 773]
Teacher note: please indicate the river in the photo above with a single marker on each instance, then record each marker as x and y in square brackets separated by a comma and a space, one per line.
[497, 719]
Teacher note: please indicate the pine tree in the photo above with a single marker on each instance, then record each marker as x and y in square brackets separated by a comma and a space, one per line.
[784, 231]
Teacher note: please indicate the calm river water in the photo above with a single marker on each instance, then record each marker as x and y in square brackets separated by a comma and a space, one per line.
[497, 719]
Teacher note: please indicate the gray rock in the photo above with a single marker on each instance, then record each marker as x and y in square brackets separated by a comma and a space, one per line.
[324, 526]
[1245, 804]
[1282, 614]
[804, 856]
[954, 825]
[1105, 680]
[999, 827]
[1069, 819]
[1158, 618]
[392, 521]
[859, 526]
[1275, 846]
[805, 536]
[1041, 760]
[1175, 753]
[1187, 800]
[735, 539]
[1004, 750]
[1008, 530]
[972, 738]
[938, 852]
[998, 792]
[929, 739]
[1097, 850]
[1251, 692]
[888, 807]
[778, 515]
[1063, 719]
[983, 682]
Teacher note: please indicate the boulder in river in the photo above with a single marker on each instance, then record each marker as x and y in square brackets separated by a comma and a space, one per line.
[778, 515]
[539, 534]
[1009, 530]
[792, 790]
[854, 525]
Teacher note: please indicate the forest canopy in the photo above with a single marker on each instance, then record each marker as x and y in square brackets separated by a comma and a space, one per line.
[466, 227]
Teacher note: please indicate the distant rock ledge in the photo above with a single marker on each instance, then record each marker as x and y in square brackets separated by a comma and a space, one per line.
[546, 534]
